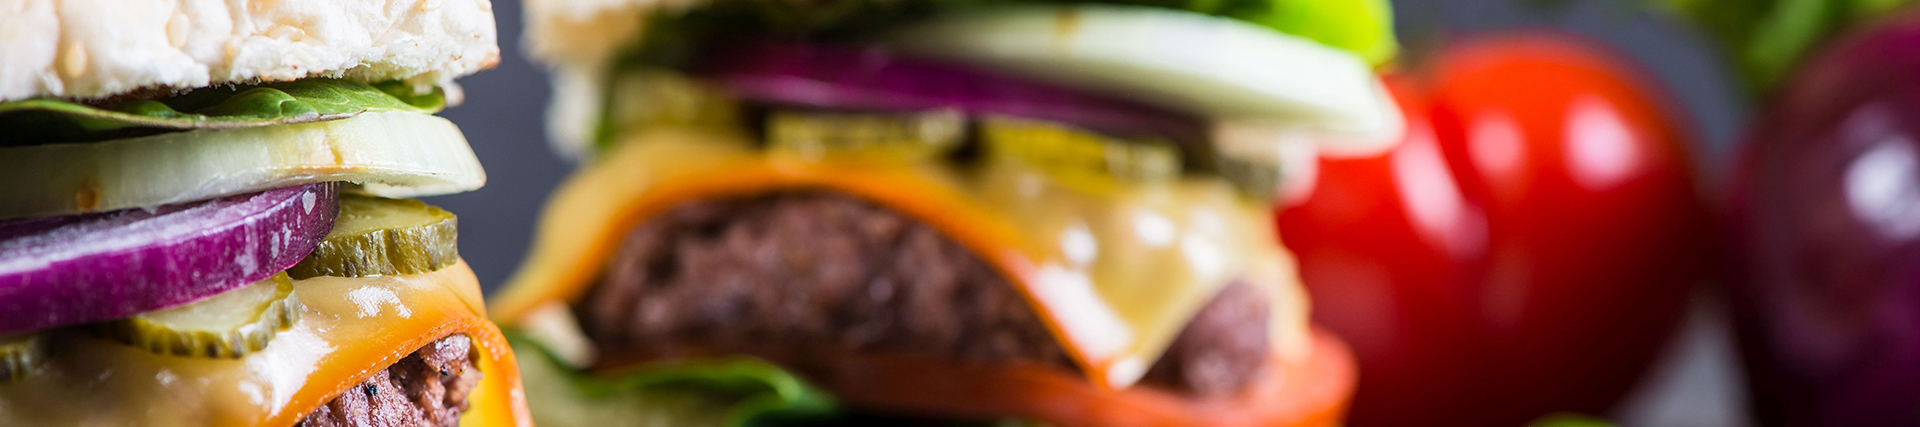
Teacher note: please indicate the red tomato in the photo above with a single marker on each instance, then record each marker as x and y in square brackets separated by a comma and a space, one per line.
[1528, 249]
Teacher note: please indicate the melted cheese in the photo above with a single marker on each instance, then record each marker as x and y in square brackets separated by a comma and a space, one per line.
[349, 329]
[1114, 276]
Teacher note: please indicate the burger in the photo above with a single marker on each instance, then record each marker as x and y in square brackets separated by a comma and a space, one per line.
[922, 212]
[204, 219]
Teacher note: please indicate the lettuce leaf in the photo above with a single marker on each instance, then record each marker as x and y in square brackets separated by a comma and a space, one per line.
[43, 120]
[738, 392]
[729, 392]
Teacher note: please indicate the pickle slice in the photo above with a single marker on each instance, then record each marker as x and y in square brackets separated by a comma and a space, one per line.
[650, 97]
[1078, 157]
[230, 325]
[20, 354]
[1255, 179]
[376, 236]
[908, 136]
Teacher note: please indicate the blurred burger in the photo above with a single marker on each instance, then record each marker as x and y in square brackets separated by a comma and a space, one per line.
[930, 212]
[203, 219]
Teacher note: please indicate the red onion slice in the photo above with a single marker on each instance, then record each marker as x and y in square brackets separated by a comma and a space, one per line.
[86, 268]
[841, 77]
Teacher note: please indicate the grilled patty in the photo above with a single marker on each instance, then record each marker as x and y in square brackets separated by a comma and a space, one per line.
[803, 277]
[427, 388]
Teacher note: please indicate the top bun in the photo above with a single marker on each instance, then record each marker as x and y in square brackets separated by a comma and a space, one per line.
[80, 49]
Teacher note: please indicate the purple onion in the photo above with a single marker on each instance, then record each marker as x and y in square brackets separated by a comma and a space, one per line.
[85, 268]
[840, 77]
[1826, 232]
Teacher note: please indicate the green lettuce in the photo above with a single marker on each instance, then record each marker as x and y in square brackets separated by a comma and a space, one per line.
[738, 392]
[43, 120]
[727, 392]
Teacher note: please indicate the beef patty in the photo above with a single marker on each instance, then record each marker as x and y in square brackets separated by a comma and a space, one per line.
[427, 388]
[802, 277]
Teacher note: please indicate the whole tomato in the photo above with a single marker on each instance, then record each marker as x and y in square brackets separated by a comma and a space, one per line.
[1528, 249]
[1826, 219]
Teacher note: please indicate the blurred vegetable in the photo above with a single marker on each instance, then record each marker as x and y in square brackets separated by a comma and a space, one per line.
[1569, 420]
[1768, 37]
[1527, 250]
[1826, 216]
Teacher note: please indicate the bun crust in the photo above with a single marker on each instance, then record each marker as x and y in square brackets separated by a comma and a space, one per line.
[81, 49]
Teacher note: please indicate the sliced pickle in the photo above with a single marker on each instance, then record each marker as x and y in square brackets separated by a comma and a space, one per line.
[649, 97]
[230, 325]
[1255, 179]
[376, 236]
[1078, 157]
[20, 354]
[910, 136]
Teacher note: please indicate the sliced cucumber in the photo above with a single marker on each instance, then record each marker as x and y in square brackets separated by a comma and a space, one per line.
[1077, 157]
[376, 236]
[20, 355]
[229, 325]
[915, 136]
[393, 154]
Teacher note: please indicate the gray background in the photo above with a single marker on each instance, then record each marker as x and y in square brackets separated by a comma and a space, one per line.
[1696, 387]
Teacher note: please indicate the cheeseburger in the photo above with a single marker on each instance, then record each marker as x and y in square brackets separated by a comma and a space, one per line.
[923, 212]
[203, 218]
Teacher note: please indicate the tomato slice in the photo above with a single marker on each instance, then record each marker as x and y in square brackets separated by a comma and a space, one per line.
[1310, 393]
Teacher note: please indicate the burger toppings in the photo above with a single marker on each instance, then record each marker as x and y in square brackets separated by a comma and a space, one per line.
[20, 354]
[134, 306]
[376, 236]
[347, 330]
[1029, 210]
[426, 389]
[837, 77]
[854, 278]
[390, 154]
[68, 270]
[229, 325]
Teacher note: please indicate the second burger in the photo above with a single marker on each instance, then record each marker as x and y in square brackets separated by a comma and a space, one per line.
[909, 212]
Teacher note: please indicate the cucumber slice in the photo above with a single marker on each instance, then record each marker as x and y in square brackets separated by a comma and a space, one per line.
[376, 236]
[393, 154]
[229, 325]
[20, 355]
[1077, 157]
[1223, 68]
[911, 136]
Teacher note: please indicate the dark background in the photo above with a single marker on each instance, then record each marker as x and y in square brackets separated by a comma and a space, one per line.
[1697, 386]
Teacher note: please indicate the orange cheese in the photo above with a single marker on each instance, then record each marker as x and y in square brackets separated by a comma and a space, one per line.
[349, 328]
[1115, 277]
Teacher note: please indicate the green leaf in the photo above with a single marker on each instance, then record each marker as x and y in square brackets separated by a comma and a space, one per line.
[1364, 27]
[733, 392]
[725, 392]
[44, 120]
